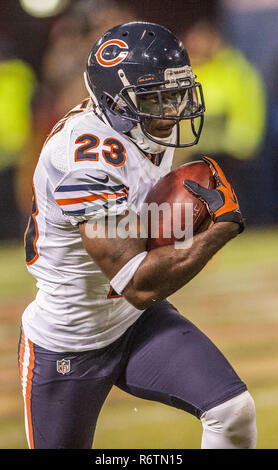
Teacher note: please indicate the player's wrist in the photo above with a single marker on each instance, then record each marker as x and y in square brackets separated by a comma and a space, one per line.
[226, 227]
[234, 217]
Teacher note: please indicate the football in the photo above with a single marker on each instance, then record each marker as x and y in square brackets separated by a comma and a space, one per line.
[162, 229]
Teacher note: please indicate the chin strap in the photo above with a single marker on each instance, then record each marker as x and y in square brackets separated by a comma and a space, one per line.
[145, 144]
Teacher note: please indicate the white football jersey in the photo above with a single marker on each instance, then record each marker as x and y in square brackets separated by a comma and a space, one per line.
[83, 166]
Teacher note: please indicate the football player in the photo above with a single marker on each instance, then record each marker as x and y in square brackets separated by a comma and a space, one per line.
[100, 317]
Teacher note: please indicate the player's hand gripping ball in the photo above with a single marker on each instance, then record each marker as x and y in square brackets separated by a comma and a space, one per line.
[221, 202]
[162, 230]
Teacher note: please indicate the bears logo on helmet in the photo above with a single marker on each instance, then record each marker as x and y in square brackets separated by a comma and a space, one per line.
[119, 58]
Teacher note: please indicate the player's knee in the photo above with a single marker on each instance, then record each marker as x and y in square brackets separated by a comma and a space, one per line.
[231, 424]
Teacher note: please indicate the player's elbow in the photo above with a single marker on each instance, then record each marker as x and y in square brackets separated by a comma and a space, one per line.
[141, 292]
[139, 299]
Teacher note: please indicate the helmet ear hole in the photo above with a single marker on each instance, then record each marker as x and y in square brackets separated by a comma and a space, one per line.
[151, 33]
[125, 33]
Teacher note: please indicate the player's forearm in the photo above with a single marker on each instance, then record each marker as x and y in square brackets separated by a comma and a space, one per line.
[166, 269]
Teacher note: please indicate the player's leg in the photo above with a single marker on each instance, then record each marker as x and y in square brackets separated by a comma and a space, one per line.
[173, 362]
[63, 395]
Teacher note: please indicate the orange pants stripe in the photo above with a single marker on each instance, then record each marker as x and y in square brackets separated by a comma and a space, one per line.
[26, 367]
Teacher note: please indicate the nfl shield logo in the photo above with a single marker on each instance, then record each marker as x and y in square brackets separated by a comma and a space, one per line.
[63, 366]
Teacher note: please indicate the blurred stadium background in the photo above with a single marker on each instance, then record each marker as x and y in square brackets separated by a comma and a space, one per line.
[234, 49]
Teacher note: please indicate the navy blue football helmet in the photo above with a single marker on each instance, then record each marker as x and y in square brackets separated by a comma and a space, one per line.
[135, 72]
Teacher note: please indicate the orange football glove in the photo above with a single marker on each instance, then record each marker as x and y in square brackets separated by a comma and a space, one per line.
[221, 202]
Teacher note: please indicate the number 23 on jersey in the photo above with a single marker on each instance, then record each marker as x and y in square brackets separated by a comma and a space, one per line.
[89, 149]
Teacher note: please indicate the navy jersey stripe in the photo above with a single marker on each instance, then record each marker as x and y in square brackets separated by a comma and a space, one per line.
[88, 187]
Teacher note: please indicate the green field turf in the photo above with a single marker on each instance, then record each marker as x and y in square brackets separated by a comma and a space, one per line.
[234, 301]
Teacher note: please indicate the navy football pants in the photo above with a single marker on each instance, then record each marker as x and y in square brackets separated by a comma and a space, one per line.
[162, 357]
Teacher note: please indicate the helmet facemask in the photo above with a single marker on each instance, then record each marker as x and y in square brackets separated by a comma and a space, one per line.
[175, 100]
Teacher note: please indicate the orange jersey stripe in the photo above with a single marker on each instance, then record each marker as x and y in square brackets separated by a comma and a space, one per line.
[93, 197]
